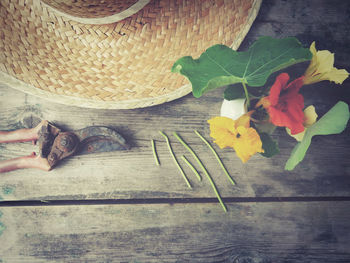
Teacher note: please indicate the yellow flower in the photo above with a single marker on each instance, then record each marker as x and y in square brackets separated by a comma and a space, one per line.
[236, 134]
[310, 117]
[321, 68]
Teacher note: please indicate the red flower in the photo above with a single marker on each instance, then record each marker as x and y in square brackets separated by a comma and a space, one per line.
[285, 104]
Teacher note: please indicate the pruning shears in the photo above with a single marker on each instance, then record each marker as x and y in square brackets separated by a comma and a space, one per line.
[55, 144]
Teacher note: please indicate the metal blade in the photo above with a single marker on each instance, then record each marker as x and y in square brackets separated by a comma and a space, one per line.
[95, 139]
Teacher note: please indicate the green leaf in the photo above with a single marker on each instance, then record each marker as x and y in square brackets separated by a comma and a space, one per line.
[270, 146]
[219, 65]
[234, 92]
[333, 122]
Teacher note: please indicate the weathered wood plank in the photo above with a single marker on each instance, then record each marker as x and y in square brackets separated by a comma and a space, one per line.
[251, 232]
[322, 21]
[133, 174]
[325, 171]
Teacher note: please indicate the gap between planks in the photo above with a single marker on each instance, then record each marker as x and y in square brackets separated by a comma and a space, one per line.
[26, 203]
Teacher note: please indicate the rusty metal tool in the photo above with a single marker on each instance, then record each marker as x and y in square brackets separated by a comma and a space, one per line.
[55, 144]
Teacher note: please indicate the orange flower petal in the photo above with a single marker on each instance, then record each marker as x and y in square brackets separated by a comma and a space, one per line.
[286, 108]
[280, 84]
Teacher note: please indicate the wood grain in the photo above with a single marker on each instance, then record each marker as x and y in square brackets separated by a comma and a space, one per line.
[255, 232]
[133, 174]
[315, 231]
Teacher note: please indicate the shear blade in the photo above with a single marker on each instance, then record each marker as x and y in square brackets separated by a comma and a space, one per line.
[96, 139]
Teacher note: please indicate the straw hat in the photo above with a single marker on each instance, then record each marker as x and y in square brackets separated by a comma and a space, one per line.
[112, 54]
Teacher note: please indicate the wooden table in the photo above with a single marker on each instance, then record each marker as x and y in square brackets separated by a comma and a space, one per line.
[121, 207]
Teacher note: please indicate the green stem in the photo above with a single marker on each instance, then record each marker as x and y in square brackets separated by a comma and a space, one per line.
[217, 157]
[204, 170]
[190, 150]
[155, 153]
[174, 158]
[192, 167]
[246, 94]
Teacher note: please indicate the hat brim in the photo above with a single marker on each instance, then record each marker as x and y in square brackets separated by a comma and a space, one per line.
[122, 65]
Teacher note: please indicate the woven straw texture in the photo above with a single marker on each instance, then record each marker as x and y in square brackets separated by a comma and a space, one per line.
[116, 66]
[90, 8]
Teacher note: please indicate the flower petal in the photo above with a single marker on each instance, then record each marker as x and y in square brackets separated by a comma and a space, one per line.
[321, 68]
[280, 83]
[247, 143]
[243, 139]
[295, 85]
[336, 75]
[313, 64]
[295, 107]
[223, 131]
[285, 119]
[299, 136]
[325, 60]
[310, 116]
[244, 120]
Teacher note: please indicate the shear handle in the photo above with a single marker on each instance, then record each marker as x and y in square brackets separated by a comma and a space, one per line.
[30, 161]
[21, 135]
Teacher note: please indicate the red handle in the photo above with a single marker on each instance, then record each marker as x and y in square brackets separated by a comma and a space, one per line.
[30, 161]
[21, 135]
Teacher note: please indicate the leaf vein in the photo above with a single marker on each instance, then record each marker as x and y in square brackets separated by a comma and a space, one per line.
[248, 63]
[270, 62]
[212, 60]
